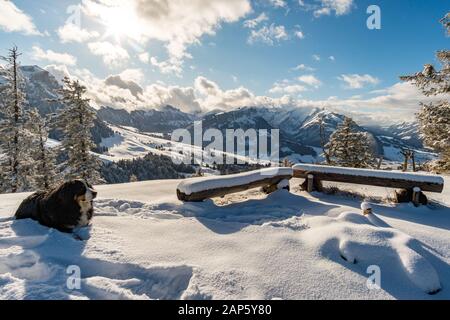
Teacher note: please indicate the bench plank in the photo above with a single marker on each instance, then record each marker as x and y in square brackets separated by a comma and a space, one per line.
[380, 178]
[199, 189]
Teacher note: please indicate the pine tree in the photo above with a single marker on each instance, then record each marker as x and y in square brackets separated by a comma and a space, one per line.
[15, 140]
[75, 121]
[434, 117]
[348, 147]
[45, 173]
[322, 140]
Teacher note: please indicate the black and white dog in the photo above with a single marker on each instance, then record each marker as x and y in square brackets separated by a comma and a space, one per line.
[68, 207]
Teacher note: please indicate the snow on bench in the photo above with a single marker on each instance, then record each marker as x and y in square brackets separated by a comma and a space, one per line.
[426, 182]
[199, 189]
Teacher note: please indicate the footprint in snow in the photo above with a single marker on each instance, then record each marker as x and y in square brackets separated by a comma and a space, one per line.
[356, 239]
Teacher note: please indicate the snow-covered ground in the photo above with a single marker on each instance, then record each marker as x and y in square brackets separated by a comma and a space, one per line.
[144, 243]
[128, 143]
[394, 153]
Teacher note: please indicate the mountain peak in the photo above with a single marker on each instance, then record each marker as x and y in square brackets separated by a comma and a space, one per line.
[170, 108]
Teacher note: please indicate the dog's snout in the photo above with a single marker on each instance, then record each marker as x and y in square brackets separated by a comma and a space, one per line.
[94, 194]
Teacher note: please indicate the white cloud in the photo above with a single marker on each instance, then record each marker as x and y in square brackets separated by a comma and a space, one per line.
[339, 7]
[113, 91]
[253, 23]
[316, 57]
[299, 34]
[12, 19]
[325, 11]
[176, 23]
[72, 33]
[58, 71]
[286, 88]
[183, 98]
[303, 67]
[169, 66]
[210, 96]
[278, 3]
[113, 55]
[269, 34]
[310, 80]
[122, 92]
[144, 57]
[129, 80]
[356, 81]
[59, 58]
[135, 75]
[398, 102]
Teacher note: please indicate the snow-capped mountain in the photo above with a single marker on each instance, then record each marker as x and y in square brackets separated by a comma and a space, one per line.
[40, 88]
[164, 121]
[406, 132]
[299, 127]
[309, 129]
[41, 91]
[258, 119]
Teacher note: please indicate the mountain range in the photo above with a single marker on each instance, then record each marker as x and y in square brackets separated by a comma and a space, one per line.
[299, 127]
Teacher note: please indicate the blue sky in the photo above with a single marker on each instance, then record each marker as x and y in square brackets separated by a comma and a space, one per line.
[205, 49]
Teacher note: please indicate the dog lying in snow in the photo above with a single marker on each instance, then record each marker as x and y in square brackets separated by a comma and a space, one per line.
[66, 208]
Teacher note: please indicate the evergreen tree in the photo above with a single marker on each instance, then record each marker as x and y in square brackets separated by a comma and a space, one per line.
[348, 147]
[15, 140]
[75, 121]
[322, 140]
[45, 173]
[434, 117]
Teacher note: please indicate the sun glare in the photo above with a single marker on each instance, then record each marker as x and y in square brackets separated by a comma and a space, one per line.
[122, 22]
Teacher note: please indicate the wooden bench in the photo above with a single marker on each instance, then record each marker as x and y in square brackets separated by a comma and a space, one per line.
[412, 184]
[199, 189]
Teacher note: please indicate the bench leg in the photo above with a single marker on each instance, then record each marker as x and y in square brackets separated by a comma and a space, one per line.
[418, 197]
[311, 184]
[277, 186]
[414, 195]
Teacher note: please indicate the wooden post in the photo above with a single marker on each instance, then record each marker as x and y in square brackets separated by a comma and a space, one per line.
[416, 196]
[405, 163]
[366, 208]
[310, 183]
[380, 162]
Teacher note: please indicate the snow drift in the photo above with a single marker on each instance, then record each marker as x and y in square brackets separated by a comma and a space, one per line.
[145, 244]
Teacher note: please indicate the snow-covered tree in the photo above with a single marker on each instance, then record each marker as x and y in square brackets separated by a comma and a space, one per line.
[349, 147]
[323, 139]
[75, 121]
[434, 117]
[15, 139]
[44, 167]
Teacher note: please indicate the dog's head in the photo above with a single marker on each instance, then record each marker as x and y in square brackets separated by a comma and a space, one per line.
[81, 194]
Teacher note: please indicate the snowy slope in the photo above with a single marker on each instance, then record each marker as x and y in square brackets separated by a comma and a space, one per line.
[144, 243]
[128, 143]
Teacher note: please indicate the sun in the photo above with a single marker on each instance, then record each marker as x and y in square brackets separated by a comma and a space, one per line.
[121, 22]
